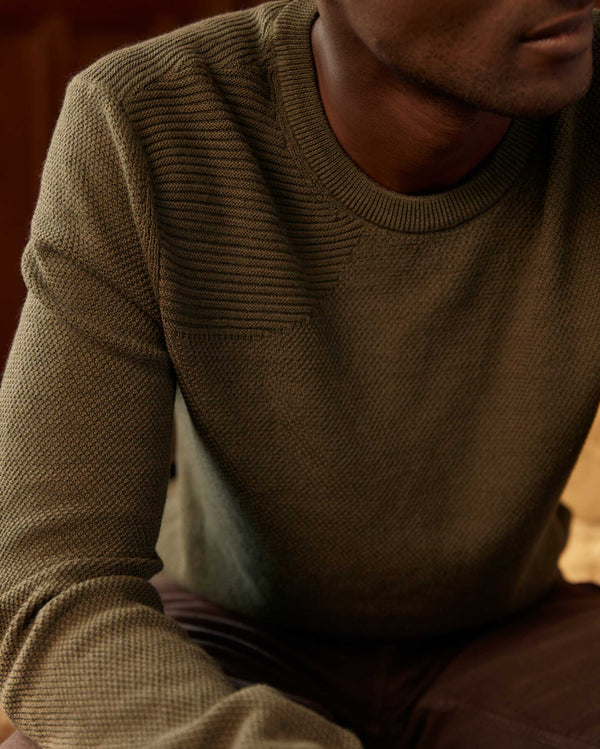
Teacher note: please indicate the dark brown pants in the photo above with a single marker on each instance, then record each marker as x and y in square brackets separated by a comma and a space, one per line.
[530, 681]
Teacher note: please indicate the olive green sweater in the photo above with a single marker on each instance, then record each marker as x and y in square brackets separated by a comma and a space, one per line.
[379, 397]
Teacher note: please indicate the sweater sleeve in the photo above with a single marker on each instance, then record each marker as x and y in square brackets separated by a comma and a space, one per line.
[87, 656]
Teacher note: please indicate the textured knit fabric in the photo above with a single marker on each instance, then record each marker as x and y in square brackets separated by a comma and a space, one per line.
[379, 396]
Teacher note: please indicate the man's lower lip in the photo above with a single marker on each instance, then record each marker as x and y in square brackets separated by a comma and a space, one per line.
[565, 45]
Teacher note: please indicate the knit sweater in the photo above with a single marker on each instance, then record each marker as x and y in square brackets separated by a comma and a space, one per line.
[378, 397]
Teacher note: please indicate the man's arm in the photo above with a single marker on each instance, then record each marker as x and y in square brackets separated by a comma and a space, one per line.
[87, 658]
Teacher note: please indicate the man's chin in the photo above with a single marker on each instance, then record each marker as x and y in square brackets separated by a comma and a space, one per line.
[546, 101]
[540, 106]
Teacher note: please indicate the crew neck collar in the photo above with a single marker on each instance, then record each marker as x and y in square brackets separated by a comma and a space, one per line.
[310, 136]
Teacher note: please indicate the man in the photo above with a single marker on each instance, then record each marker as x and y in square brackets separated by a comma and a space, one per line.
[356, 245]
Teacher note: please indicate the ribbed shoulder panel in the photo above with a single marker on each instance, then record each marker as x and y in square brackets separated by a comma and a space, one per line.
[233, 39]
[247, 241]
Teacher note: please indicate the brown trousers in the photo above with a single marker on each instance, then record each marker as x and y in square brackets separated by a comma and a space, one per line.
[529, 681]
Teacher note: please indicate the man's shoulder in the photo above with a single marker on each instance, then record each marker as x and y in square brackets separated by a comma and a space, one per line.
[229, 40]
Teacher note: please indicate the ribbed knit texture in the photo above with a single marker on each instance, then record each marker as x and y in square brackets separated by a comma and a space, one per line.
[379, 397]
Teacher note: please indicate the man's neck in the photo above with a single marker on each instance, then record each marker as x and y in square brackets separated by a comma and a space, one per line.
[405, 138]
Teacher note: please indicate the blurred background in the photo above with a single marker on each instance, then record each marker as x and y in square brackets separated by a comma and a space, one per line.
[43, 43]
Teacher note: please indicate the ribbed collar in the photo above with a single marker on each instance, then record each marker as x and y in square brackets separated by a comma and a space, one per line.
[311, 138]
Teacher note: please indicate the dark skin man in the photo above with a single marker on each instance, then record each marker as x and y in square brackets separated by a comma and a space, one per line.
[419, 92]
[380, 396]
